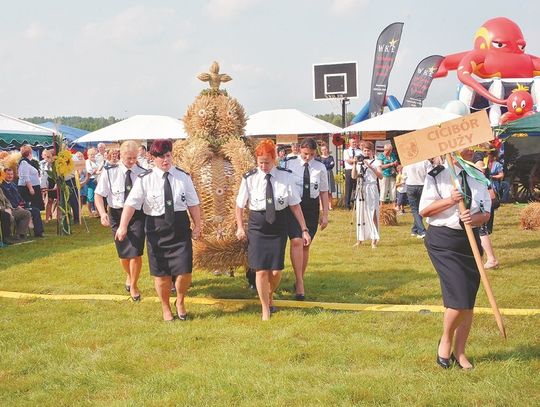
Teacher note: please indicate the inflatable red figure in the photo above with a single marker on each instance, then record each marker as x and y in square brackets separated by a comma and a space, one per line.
[519, 104]
[499, 52]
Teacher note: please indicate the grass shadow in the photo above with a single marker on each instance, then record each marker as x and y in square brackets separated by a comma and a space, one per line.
[524, 353]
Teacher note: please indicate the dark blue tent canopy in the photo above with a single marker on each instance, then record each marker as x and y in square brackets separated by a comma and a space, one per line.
[69, 133]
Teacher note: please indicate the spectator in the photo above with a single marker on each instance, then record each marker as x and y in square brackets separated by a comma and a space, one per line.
[349, 161]
[415, 176]
[367, 171]
[281, 157]
[295, 150]
[389, 163]
[100, 154]
[141, 157]
[13, 216]
[17, 203]
[93, 169]
[29, 187]
[401, 189]
[48, 184]
[329, 163]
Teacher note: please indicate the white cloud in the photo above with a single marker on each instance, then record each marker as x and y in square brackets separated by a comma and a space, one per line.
[225, 9]
[34, 31]
[137, 24]
[344, 7]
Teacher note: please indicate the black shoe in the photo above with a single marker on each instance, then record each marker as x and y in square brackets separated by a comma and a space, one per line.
[127, 287]
[183, 317]
[137, 298]
[443, 362]
[300, 297]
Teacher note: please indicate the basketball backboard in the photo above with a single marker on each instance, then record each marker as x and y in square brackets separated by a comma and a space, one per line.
[335, 80]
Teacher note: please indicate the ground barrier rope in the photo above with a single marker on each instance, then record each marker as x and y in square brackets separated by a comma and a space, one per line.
[334, 306]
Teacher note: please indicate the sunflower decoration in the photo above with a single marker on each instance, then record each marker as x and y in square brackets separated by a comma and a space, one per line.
[2, 173]
[64, 163]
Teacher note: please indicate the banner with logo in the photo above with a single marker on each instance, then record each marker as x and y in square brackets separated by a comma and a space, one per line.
[421, 81]
[385, 55]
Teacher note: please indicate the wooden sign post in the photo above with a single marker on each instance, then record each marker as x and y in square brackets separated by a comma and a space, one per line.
[443, 139]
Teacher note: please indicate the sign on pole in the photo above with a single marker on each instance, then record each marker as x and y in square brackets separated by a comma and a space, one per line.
[453, 135]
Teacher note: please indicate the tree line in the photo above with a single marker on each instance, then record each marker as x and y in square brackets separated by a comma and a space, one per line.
[84, 123]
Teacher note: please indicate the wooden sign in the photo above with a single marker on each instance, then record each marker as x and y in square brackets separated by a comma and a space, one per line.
[286, 138]
[447, 137]
[373, 135]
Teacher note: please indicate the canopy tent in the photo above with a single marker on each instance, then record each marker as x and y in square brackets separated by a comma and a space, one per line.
[140, 127]
[69, 133]
[403, 120]
[16, 132]
[287, 121]
[528, 126]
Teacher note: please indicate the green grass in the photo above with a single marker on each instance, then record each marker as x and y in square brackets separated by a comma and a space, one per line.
[120, 353]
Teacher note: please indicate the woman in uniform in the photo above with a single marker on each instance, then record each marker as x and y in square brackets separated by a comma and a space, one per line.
[367, 171]
[115, 185]
[166, 194]
[311, 183]
[269, 191]
[451, 254]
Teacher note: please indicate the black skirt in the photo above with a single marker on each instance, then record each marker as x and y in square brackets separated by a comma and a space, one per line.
[133, 245]
[310, 209]
[266, 242]
[32, 201]
[170, 251]
[452, 257]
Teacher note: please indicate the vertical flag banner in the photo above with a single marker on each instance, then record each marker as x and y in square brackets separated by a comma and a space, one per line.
[421, 81]
[385, 55]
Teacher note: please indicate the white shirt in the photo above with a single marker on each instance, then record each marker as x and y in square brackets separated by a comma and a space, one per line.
[143, 162]
[91, 168]
[348, 154]
[27, 173]
[318, 178]
[253, 190]
[148, 191]
[369, 176]
[415, 174]
[443, 184]
[112, 184]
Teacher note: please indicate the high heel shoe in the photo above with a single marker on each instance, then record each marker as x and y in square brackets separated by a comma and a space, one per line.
[453, 359]
[443, 362]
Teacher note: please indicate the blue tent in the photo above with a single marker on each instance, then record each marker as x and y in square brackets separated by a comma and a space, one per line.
[70, 134]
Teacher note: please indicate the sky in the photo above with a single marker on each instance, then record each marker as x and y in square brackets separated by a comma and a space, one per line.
[121, 58]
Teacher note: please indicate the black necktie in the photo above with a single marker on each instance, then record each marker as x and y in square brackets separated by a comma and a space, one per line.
[169, 204]
[305, 191]
[128, 184]
[270, 214]
[466, 189]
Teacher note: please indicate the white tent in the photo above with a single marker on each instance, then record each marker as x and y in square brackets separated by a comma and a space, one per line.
[404, 119]
[16, 132]
[140, 127]
[287, 121]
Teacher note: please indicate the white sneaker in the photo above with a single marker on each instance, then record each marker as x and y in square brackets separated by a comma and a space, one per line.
[413, 235]
[421, 236]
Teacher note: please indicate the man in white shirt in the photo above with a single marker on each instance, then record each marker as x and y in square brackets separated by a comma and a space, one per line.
[415, 176]
[348, 159]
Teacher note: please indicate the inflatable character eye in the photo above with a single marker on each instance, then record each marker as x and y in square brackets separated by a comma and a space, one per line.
[497, 44]
[521, 47]
[523, 104]
[514, 104]
[201, 112]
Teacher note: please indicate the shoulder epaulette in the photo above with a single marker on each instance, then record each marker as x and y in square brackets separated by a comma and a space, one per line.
[109, 166]
[144, 173]
[180, 169]
[284, 169]
[292, 157]
[250, 172]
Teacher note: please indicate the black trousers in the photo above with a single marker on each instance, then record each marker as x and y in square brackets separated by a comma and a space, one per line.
[350, 187]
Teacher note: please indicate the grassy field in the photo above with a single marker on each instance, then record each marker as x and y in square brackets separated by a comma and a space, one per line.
[120, 353]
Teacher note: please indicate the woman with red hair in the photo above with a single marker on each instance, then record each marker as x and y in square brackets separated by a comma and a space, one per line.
[166, 194]
[269, 193]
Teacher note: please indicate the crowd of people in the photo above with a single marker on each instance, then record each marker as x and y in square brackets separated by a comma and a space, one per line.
[142, 197]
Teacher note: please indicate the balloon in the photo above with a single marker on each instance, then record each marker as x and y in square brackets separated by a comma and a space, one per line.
[456, 107]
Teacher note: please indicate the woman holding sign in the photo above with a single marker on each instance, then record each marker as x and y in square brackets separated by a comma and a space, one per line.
[451, 254]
